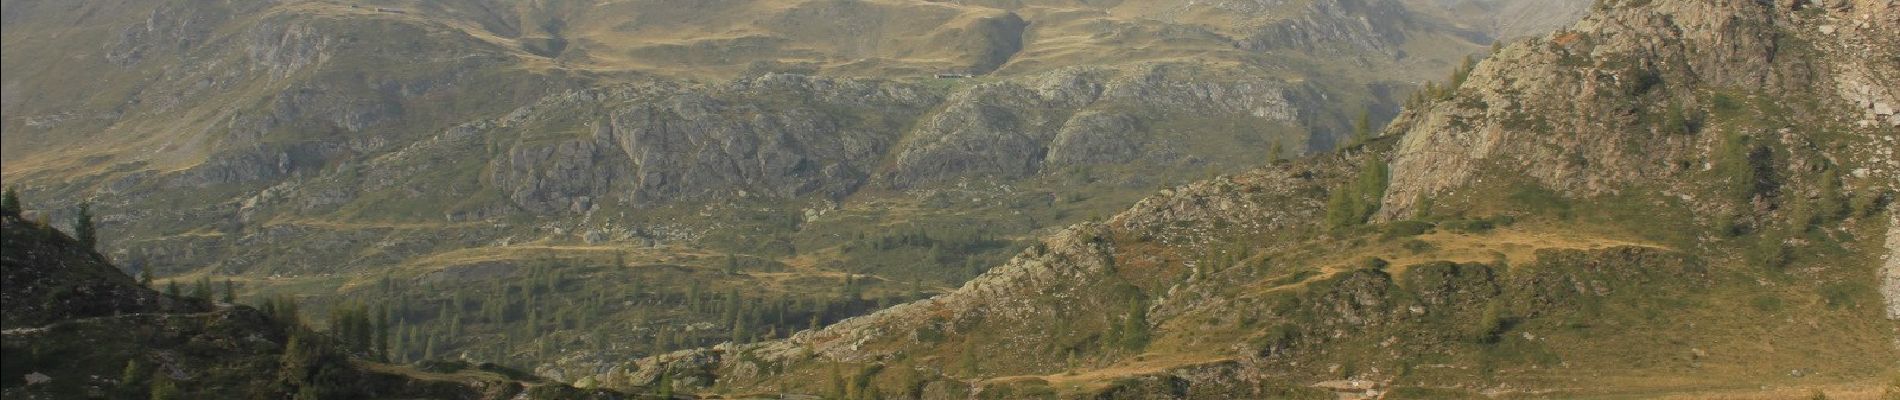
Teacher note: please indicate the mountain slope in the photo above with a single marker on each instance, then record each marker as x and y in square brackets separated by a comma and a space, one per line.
[1671, 198]
[78, 327]
[330, 149]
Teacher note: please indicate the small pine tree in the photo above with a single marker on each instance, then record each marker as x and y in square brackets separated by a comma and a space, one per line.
[230, 292]
[83, 231]
[145, 276]
[1135, 331]
[1362, 128]
[739, 334]
[1490, 324]
[1463, 72]
[132, 381]
[171, 288]
[838, 388]
[10, 203]
[665, 386]
[1833, 204]
[202, 289]
[164, 389]
[382, 319]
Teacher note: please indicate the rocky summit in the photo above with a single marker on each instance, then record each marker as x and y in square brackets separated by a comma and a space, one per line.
[960, 199]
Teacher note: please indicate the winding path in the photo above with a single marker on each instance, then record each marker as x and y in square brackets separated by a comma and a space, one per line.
[1890, 271]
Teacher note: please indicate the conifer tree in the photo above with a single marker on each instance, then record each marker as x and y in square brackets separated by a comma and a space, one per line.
[202, 289]
[1135, 329]
[1463, 72]
[381, 317]
[164, 389]
[132, 382]
[10, 203]
[83, 231]
[1362, 128]
[230, 292]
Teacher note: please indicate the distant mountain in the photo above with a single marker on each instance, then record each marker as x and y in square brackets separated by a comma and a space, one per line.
[1670, 198]
[1505, 19]
[662, 165]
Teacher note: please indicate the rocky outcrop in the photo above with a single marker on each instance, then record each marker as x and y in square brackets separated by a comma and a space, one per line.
[1325, 26]
[790, 136]
[1622, 75]
[1081, 116]
[776, 135]
[1083, 273]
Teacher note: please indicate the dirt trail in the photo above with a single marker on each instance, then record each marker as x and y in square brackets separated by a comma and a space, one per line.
[1890, 271]
[87, 320]
[1149, 365]
[1517, 247]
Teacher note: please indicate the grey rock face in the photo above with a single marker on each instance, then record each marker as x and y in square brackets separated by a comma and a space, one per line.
[1489, 123]
[1377, 25]
[774, 136]
[784, 136]
[1018, 128]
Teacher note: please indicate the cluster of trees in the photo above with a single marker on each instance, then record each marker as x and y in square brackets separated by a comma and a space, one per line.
[83, 229]
[550, 307]
[1434, 92]
[202, 289]
[948, 255]
[1353, 203]
[311, 364]
[362, 328]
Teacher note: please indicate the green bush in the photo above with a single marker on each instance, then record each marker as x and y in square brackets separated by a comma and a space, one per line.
[1491, 324]
[1842, 295]
[1469, 226]
[1407, 228]
[1766, 303]
[1373, 263]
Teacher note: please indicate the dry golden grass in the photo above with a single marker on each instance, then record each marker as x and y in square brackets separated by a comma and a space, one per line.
[1091, 380]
